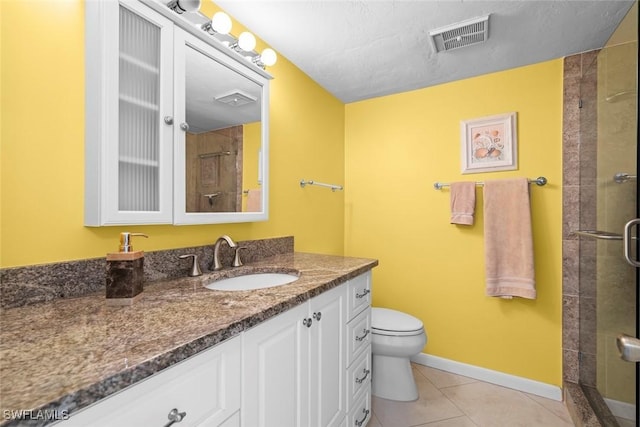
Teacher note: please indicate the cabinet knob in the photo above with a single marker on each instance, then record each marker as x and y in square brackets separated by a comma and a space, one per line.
[317, 316]
[175, 417]
[168, 120]
[184, 126]
[307, 322]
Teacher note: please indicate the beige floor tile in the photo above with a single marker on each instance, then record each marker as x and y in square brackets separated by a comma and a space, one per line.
[452, 422]
[431, 405]
[373, 421]
[406, 414]
[489, 405]
[557, 408]
[440, 378]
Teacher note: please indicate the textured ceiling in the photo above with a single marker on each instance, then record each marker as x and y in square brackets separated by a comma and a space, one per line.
[360, 49]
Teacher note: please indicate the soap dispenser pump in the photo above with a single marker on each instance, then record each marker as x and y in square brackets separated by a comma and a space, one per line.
[125, 272]
[126, 243]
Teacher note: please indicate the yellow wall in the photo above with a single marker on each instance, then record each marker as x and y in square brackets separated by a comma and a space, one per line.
[42, 145]
[396, 148]
[386, 151]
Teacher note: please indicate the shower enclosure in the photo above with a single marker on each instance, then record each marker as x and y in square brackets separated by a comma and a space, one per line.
[607, 228]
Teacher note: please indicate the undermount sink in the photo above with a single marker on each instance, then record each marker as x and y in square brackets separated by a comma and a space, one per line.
[252, 281]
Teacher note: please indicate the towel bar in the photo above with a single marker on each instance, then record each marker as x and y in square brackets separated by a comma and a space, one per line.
[321, 184]
[540, 181]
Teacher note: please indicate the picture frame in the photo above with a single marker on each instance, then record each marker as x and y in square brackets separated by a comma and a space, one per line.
[489, 144]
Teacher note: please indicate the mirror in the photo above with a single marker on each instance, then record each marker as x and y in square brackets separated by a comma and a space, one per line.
[219, 173]
[220, 104]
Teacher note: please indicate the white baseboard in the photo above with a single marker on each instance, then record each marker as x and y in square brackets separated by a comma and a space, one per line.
[494, 377]
[621, 409]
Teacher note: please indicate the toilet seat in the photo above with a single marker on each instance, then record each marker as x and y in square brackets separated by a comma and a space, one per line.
[385, 321]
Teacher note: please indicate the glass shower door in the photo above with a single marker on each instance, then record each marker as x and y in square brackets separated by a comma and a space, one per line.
[617, 204]
[609, 209]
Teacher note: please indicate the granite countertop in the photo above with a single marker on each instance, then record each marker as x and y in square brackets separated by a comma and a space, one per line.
[67, 354]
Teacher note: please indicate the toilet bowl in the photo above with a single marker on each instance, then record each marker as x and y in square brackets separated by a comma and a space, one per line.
[396, 336]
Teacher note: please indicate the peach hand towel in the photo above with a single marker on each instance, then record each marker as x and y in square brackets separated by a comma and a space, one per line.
[508, 239]
[254, 200]
[463, 202]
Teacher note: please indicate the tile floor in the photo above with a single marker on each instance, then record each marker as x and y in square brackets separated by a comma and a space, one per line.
[449, 400]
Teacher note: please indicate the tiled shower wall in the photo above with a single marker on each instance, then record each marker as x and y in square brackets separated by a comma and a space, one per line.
[579, 160]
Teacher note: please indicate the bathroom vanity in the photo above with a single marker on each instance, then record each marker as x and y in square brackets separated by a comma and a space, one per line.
[296, 354]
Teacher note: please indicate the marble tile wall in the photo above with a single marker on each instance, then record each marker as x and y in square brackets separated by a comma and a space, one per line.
[40, 283]
[579, 179]
[576, 161]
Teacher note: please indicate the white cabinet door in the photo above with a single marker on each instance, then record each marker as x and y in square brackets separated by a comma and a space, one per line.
[294, 366]
[276, 371]
[129, 107]
[327, 358]
[206, 387]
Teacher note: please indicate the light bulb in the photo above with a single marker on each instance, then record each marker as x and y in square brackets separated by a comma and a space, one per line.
[221, 23]
[190, 5]
[246, 41]
[182, 6]
[268, 57]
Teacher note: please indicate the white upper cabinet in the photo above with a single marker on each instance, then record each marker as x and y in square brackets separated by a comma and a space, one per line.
[176, 122]
[129, 90]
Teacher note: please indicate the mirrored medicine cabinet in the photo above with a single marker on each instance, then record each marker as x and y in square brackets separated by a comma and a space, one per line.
[177, 123]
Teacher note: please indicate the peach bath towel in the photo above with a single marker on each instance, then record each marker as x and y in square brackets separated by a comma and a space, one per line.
[463, 202]
[508, 239]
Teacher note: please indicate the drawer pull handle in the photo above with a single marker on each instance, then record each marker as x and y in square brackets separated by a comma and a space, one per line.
[307, 322]
[366, 374]
[366, 332]
[366, 413]
[362, 295]
[175, 417]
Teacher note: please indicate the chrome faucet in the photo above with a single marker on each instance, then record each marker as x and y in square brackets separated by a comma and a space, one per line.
[217, 265]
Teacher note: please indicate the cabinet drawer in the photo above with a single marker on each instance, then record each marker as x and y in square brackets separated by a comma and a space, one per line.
[358, 377]
[360, 414]
[358, 335]
[359, 294]
[205, 386]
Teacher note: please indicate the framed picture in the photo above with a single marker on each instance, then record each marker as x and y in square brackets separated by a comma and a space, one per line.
[489, 144]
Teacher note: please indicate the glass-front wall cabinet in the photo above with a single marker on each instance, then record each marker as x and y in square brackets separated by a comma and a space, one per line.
[176, 127]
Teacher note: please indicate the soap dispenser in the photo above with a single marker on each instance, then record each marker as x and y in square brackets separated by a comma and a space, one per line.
[125, 272]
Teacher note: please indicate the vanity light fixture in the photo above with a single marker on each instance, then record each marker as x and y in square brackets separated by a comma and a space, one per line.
[182, 6]
[219, 27]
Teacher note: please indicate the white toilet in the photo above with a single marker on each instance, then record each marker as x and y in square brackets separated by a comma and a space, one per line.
[396, 336]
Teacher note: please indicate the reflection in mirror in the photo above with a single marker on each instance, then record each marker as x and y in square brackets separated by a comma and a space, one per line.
[223, 113]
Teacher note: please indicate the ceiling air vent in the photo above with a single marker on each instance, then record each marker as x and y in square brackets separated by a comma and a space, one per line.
[235, 98]
[465, 33]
